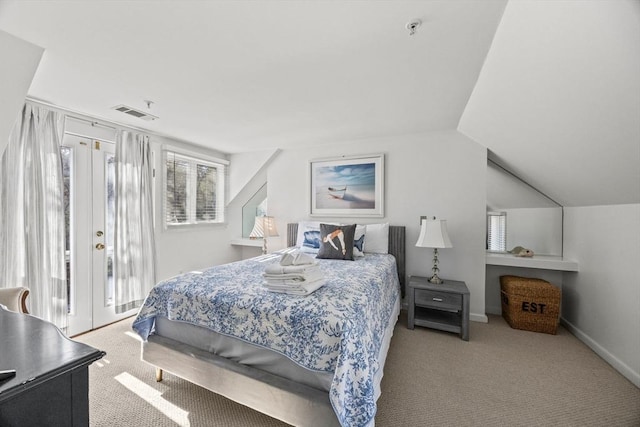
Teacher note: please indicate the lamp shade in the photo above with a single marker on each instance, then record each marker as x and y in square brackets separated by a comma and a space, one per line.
[264, 226]
[433, 234]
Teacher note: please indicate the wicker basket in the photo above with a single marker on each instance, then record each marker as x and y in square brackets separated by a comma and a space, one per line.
[530, 304]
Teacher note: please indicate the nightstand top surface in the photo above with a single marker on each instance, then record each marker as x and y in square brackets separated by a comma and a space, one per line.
[456, 286]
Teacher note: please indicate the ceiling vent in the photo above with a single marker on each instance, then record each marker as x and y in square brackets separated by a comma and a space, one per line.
[135, 113]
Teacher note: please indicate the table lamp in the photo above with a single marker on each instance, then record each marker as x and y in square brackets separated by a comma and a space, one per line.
[433, 234]
[263, 227]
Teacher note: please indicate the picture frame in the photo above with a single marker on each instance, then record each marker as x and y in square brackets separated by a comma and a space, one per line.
[347, 186]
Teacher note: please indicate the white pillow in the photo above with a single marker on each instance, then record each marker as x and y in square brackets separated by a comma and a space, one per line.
[377, 238]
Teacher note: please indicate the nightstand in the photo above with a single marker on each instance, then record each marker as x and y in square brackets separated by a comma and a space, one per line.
[442, 306]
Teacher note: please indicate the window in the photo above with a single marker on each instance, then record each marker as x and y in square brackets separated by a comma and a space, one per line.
[497, 231]
[194, 190]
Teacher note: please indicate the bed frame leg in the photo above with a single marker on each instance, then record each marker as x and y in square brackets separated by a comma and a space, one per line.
[158, 374]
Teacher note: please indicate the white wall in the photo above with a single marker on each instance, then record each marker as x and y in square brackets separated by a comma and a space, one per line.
[440, 174]
[190, 248]
[601, 303]
[20, 61]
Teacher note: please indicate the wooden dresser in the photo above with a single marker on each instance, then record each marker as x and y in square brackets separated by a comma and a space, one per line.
[51, 386]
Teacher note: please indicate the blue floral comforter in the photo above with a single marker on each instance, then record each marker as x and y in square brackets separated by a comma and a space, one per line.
[339, 328]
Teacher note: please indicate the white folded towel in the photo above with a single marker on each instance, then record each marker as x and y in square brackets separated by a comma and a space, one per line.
[283, 285]
[302, 290]
[293, 278]
[296, 258]
[288, 269]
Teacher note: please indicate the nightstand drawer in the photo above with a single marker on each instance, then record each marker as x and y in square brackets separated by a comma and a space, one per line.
[445, 300]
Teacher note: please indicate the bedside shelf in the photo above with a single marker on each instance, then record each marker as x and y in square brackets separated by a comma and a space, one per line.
[438, 319]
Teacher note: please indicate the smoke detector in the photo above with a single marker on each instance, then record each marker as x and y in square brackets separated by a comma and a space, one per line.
[412, 26]
[135, 112]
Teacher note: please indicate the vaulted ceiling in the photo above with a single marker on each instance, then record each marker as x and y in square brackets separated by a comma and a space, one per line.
[551, 88]
[247, 75]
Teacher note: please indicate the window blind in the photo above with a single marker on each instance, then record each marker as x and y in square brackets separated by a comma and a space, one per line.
[193, 191]
[497, 231]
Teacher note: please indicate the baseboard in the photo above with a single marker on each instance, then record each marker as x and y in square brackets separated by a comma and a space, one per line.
[478, 318]
[616, 363]
[497, 310]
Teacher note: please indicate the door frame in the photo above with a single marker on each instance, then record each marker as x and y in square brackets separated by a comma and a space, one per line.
[87, 217]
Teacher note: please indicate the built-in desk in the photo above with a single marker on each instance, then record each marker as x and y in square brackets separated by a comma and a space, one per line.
[241, 241]
[546, 267]
[544, 262]
[248, 247]
[51, 386]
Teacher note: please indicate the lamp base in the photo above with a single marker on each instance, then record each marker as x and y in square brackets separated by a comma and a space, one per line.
[436, 280]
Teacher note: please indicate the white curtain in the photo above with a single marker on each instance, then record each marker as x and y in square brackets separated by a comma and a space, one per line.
[32, 220]
[134, 261]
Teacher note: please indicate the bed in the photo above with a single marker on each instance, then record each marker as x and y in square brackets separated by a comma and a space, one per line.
[314, 360]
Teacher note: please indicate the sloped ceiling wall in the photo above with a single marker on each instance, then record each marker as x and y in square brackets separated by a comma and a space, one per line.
[506, 192]
[15, 80]
[558, 99]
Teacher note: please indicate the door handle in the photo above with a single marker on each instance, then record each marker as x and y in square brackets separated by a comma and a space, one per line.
[100, 246]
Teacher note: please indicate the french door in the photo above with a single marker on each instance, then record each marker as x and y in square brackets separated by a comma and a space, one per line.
[89, 175]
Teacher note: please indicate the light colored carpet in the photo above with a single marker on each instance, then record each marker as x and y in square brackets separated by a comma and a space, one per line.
[501, 377]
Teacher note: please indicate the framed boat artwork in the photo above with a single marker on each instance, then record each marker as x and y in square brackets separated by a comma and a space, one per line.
[347, 186]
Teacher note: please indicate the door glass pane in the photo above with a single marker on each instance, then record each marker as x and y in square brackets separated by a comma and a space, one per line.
[110, 206]
[66, 154]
